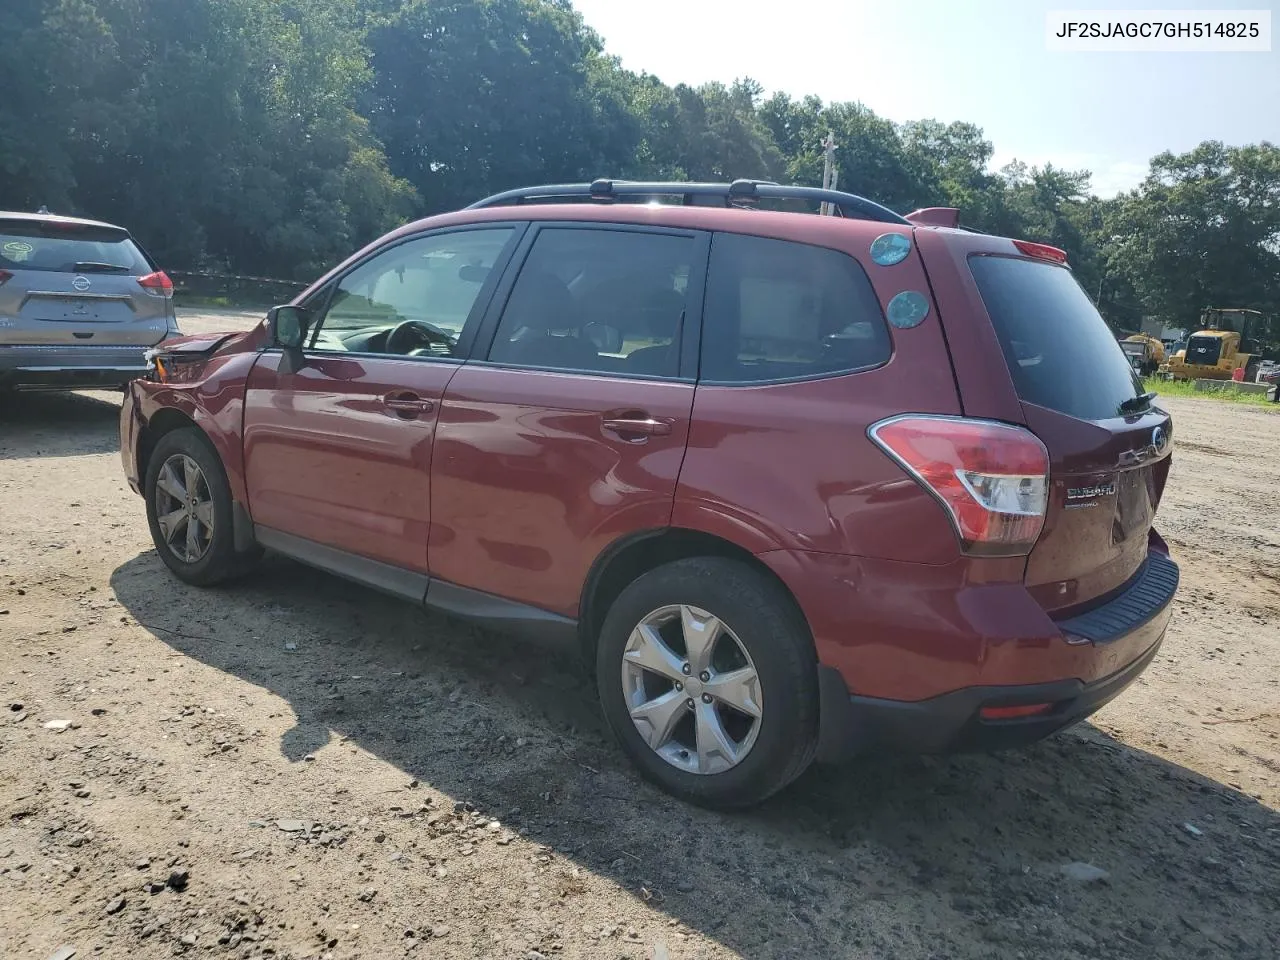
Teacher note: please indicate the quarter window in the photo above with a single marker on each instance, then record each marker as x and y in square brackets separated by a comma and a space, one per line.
[598, 301]
[777, 310]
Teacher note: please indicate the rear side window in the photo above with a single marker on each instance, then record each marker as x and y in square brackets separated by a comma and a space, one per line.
[68, 249]
[1060, 352]
[598, 301]
[777, 310]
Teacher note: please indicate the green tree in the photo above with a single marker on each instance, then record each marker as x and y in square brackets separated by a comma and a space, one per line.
[475, 96]
[1203, 230]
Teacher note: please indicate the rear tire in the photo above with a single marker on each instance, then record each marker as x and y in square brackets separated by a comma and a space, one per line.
[686, 695]
[189, 510]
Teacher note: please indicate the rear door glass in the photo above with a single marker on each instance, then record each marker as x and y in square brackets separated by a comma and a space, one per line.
[1059, 350]
[39, 247]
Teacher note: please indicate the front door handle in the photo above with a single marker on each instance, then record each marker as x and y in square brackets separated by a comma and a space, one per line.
[406, 405]
[637, 426]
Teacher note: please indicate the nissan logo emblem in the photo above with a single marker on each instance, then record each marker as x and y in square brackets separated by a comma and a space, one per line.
[81, 283]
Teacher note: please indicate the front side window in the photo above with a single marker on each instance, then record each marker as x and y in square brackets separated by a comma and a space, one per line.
[598, 301]
[413, 299]
[778, 310]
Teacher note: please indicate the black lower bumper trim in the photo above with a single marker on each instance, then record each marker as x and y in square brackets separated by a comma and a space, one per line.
[951, 722]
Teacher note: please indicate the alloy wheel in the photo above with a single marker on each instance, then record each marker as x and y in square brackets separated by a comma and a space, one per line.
[691, 689]
[184, 508]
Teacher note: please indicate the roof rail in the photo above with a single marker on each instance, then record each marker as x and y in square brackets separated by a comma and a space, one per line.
[738, 193]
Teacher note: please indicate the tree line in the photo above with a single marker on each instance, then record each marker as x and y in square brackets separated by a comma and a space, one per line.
[275, 136]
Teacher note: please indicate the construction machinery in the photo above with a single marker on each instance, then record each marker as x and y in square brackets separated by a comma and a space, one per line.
[1145, 353]
[1224, 344]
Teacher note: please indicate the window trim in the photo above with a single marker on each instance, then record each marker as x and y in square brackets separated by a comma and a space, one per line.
[806, 377]
[466, 339]
[695, 292]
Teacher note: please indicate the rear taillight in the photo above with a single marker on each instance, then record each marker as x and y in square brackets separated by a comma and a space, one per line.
[991, 478]
[1041, 251]
[157, 284]
[4, 277]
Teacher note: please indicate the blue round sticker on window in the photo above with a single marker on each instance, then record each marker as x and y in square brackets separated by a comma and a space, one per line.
[908, 309]
[890, 248]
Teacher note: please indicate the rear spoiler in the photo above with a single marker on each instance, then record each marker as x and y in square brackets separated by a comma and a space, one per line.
[935, 217]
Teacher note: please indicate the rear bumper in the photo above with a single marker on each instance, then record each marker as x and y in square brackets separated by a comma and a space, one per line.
[911, 655]
[953, 722]
[39, 365]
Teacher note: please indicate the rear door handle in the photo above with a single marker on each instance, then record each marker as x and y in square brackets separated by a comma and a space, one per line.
[637, 426]
[407, 406]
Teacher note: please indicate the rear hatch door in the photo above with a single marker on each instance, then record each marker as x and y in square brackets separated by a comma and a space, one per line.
[67, 283]
[1067, 379]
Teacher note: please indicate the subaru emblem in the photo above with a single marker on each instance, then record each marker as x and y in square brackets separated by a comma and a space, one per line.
[81, 283]
[1158, 438]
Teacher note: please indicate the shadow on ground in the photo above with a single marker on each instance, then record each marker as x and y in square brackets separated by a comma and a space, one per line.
[909, 856]
[46, 424]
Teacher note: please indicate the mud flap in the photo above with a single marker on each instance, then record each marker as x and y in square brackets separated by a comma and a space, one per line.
[838, 734]
[242, 528]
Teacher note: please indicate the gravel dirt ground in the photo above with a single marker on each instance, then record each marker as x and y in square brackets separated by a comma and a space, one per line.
[296, 767]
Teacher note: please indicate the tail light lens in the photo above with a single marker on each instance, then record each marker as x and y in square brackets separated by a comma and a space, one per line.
[991, 478]
[157, 284]
[4, 277]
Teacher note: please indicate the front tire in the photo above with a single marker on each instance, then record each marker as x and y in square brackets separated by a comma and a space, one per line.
[707, 676]
[189, 510]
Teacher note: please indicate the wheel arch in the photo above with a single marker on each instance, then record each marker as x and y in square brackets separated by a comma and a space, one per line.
[168, 419]
[165, 420]
[637, 553]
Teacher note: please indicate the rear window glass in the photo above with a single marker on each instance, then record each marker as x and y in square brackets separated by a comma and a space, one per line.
[36, 246]
[778, 310]
[1060, 352]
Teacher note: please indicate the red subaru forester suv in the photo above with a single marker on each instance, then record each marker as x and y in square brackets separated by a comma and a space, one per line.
[799, 486]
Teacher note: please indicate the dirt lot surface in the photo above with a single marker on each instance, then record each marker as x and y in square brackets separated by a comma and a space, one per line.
[296, 767]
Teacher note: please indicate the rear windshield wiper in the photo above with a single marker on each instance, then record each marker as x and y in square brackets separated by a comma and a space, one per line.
[87, 266]
[1134, 404]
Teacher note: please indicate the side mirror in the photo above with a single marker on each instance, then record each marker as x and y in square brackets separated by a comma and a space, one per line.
[288, 327]
[604, 338]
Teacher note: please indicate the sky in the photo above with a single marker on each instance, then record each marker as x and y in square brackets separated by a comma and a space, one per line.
[981, 61]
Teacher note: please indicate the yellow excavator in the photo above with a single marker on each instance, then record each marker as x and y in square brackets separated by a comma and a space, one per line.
[1145, 353]
[1221, 346]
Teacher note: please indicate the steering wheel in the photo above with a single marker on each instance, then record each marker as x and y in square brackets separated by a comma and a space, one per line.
[412, 335]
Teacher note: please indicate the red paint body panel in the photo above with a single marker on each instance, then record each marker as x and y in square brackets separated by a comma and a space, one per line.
[789, 465]
[327, 460]
[130, 430]
[212, 396]
[986, 389]
[903, 631]
[1085, 553]
[528, 488]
